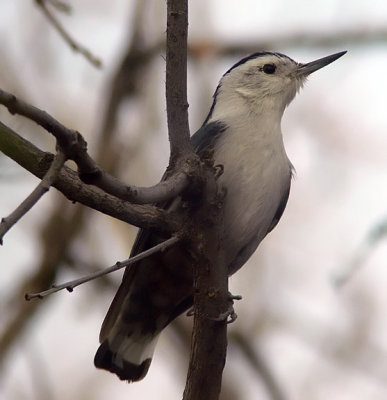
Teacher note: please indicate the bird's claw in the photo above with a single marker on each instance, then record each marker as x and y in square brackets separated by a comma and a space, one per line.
[219, 169]
[233, 297]
[230, 315]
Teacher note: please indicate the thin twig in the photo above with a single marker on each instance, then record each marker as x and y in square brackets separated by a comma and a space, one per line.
[71, 42]
[119, 265]
[43, 187]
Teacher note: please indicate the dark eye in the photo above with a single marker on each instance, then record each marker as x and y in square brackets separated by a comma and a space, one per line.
[269, 68]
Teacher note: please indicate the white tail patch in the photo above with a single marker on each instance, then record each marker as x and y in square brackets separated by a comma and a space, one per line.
[133, 349]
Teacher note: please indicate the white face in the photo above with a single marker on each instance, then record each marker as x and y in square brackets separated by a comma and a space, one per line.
[267, 78]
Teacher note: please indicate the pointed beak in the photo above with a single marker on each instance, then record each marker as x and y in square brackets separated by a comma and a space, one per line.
[306, 69]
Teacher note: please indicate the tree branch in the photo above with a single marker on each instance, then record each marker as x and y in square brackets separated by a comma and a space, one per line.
[67, 38]
[162, 191]
[75, 148]
[43, 187]
[211, 298]
[119, 265]
[66, 221]
[37, 162]
[176, 78]
[209, 339]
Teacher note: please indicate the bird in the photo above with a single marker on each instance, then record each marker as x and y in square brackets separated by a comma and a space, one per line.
[243, 133]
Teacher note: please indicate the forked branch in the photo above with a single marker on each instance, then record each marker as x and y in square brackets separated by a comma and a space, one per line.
[75, 148]
[37, 162]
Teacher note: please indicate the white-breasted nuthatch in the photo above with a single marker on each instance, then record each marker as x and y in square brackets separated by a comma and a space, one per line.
[243, 131]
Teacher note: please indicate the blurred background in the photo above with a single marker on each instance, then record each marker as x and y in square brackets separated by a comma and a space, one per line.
[311, 325]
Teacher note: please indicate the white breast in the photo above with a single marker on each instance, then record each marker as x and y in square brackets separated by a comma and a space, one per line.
[256, 175]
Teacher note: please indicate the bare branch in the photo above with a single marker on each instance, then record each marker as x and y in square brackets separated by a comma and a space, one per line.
[72, 142]
[162, 191]
[209, 338]
[59, 232]
[119, 265]
[37, 162]
[176, 78]
[71, 42]
[75, 148]
[211, 299]
[43, 187]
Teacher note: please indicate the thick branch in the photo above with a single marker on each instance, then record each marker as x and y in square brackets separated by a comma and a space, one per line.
[75, 148]
[209, 342]
[211, 297]
[119, 265]
[209, 339]
[43, 187]
[37, 162]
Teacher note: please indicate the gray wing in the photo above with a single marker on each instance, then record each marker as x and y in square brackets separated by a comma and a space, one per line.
[206, 137]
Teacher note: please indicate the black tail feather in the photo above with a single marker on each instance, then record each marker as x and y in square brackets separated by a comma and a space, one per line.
[130, 372]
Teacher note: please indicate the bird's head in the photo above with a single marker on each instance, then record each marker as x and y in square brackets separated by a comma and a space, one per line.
[267, 80]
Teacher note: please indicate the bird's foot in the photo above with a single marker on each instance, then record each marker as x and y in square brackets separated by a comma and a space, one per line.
[219, 169]
[232, 297]
[230, 315]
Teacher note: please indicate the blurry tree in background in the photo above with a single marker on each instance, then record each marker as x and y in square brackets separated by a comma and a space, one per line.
[285, 345]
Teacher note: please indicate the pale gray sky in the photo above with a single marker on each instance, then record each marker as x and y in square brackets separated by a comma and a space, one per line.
[336, 136]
